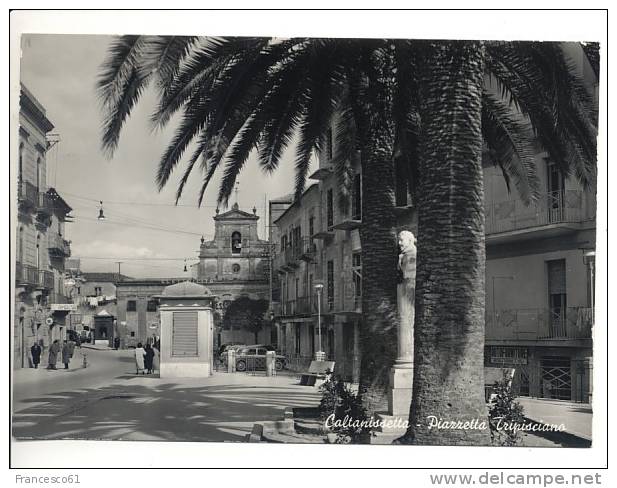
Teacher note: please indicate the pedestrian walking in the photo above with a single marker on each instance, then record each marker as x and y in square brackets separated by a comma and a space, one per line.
[66, 354]
[139, 358]
[54, 349]
[149, 358]
[116, 343]
[71, 345]
[35, 350]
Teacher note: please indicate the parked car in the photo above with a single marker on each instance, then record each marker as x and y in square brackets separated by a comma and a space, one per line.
[254, 357]
[226, 347]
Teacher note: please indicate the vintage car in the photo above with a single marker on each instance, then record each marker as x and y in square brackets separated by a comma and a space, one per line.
[252, 358]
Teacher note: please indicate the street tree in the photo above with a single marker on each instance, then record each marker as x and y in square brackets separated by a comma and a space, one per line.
[428, 106]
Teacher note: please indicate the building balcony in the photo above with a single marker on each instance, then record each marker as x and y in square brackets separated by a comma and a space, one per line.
[348, 223]
[27, 195]
[321, 173]
[26, 275]
[45, 205]
[326, 233]
[58, 247]
[542, 326]
[45, 280]
[554, 214]
[308, 250]
[300, 306]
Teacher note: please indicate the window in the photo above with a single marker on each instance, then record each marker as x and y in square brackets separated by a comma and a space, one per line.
[151, 306]
[312, 339]
[38, 175]
[132, 333]
[330, 286]
[330, 209]
[356, 263]
[311, 225]
[184, 334]
[98, 291]
[21, 163]
[356, 194]
[556, 193]
[297, 339]
[131, 305]
[20, 246]
[236, 242]
[235, 268]
[557, 297]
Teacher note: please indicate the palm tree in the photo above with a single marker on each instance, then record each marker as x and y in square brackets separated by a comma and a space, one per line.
[428, 104]
[449, 329]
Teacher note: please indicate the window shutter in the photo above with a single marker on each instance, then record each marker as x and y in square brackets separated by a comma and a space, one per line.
[184, 339]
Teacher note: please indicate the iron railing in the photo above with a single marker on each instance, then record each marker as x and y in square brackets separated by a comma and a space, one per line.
[57, 245]
[299, 306]
[45, 205]
[540, 324]
[551, 208]
[46, 280]
[26, 274]
[28, 194]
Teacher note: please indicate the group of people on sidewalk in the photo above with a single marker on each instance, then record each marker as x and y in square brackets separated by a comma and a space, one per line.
[144, 358]
[55, 350]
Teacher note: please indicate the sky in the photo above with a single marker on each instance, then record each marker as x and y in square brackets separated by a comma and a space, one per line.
[61, 71]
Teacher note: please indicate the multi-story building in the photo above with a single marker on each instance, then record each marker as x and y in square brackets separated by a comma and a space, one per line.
[539, 285]
[94, 295]
[41, 303]
[539, 278]
[234, 263]
[318, 243]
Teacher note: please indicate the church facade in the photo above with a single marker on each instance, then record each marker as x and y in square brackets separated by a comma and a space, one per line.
[234, 264]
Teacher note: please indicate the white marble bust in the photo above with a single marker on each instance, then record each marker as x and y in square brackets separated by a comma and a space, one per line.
[407, 256]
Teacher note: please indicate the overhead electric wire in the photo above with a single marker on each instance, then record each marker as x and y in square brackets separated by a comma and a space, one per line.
[131, 224]
[146, 204]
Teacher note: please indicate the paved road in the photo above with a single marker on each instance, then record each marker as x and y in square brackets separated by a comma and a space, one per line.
[576, 417]
[102, 366]
[108, 401]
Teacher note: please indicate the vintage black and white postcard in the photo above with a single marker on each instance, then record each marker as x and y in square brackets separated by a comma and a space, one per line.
[220, 237]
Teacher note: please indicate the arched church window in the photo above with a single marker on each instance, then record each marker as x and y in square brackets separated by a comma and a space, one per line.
[236, 242]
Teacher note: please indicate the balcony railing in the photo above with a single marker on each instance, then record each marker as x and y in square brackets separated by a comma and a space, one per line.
[58, 246]
[26, 275]
[299, 306]
[46, 280]
[45, 204]
[28, 194]
[551, 208]
[540, 324]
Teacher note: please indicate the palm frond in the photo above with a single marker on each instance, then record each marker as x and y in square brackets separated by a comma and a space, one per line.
[510, 141]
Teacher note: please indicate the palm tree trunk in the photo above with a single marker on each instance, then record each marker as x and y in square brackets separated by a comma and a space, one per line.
[448, 381]
[378, 238]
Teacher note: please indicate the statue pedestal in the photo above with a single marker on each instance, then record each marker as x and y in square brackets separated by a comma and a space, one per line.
[399, 393]
[394, 422]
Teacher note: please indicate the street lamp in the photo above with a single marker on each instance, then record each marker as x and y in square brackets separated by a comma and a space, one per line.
[319, 355]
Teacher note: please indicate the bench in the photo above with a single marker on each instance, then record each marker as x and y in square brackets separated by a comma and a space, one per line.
[317, 371]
